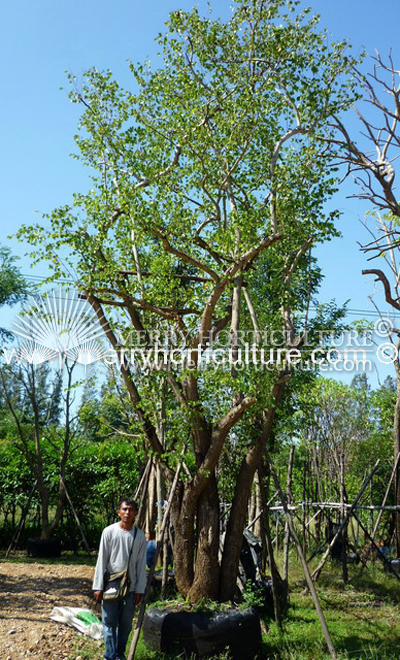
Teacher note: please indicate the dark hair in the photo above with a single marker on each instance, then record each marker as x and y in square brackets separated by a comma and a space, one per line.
[129, 501]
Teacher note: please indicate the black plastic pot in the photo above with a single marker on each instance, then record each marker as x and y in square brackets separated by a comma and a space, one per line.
[203, 633]
[43, 548]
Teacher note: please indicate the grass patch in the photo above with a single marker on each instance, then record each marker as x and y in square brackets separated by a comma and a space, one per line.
[363, 619]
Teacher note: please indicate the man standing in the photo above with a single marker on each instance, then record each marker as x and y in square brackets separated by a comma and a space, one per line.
[120, 543]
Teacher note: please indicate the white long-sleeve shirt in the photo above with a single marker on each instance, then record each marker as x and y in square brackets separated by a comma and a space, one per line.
[115, 545]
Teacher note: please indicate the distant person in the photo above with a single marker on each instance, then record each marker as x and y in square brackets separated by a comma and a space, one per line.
[150, 552]
[120, 543]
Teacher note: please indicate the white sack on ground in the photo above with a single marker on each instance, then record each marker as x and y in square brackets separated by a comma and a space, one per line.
[91, 627]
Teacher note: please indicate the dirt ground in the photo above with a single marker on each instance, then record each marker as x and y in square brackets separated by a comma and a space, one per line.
[28, 593]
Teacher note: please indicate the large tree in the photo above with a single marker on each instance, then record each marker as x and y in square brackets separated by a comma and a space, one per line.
[34, 403]
[210, 183]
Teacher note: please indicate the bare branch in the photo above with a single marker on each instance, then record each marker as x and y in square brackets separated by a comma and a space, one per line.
[386, 286]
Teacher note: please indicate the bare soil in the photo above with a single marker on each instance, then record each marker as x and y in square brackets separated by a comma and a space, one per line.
[28, 593]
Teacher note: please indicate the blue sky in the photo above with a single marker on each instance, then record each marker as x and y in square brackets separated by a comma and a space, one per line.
[42, 39]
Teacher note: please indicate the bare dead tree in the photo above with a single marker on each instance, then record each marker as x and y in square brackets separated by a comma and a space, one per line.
[389, 281]
[373, 166]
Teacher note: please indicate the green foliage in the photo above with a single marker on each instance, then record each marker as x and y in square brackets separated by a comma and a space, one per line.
[215, 167]
[252, 597]
[202, 605]
[332, 422]
[13, 287]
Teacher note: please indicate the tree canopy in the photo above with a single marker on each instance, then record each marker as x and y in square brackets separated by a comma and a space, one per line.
[210, 183]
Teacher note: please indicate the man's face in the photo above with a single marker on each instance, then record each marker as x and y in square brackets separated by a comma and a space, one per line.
[127, 513]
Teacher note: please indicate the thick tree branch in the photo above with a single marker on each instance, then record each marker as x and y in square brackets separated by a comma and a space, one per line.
[182, 255]
[219, 432]
[386, 286]
[147, 426]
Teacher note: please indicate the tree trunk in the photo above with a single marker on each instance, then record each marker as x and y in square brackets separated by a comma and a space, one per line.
[44, 509]
[257, 527]
[206, 570]
[48, 527]
[236, 522]
[237, 515]
[183, 517]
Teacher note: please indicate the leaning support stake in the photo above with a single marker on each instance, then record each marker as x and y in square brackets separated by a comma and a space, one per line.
[15, 538]
[307, 575]
[378, 520]
[270, 550]
[143, 478]
[143, 602]
[286, 541]
[380, 554]
[85, 543]
[320, 566]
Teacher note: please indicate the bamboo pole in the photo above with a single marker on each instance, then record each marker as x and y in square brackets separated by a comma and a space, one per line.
[264, 492]
[251, 524]
[307, 575]
[379, 518]
[164, 580]
[345, 572]
[85, 543]
[286, 540]
[320, 566]
[338, 505]
[143, 602]
[143, 500]
[304, 512]
[377, 548]
[16, 534]
[142, 478]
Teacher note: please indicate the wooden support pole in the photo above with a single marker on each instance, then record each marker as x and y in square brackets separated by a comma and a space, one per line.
[377, 548]
[379, 518]
[251, 524]
[164, 580]
[16, 534]
[264, 492]
[143, 478]
[143, 499]
[304, 512]
[320, 566]
[143, 602]
[286, 540]
[85, 543]
[345, 573]
[307, 575]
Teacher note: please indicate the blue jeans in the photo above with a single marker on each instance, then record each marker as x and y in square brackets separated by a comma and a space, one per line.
[117, 624]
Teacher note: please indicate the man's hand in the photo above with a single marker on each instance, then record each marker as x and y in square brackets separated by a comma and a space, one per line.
[97, 595]
[137, 598]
